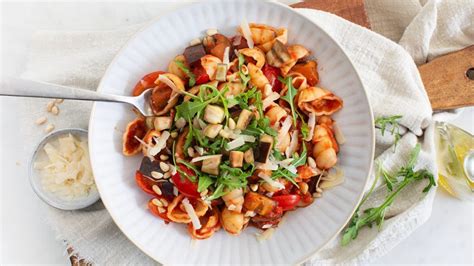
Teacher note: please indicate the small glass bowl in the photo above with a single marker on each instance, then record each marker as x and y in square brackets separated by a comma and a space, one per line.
[49, 197]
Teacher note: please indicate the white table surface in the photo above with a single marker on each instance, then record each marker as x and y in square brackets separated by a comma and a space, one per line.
[447, 238]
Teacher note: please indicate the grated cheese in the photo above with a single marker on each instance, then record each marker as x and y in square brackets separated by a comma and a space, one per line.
[66, 172]
[225, 59]
[266, 166]
[160, 143]
[247, 33]
[293, 144]
[169, 83]
[192, 214]
[334, 177]
[285, 127]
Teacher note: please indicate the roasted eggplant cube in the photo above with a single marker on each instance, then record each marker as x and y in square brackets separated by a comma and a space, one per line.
[211, 165]
[147, 166]
[236, 159]
[194, 53]
[244, 119]
[263, 151]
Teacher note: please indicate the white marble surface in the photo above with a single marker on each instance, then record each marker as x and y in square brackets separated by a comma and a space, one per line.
[447, 238]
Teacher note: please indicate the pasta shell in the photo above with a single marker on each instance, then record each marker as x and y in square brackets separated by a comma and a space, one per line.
[318, 101]
[173, 68]
[257, 78]
[264, 36]
[297, 52]
[177, 213]
[209, 63]
[256, 54]
[163, 97]
[210, 225]
[275, 113]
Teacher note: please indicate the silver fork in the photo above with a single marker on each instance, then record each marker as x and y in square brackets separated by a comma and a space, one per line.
[28, 88]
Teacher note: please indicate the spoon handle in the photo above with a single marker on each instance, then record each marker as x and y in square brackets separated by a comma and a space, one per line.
[29, 88]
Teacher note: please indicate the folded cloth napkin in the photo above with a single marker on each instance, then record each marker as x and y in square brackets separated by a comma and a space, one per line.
[388, 72]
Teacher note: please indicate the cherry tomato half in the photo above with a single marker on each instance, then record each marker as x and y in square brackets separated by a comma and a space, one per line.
[147, 82]
[200, 74]
[183, 184]
[287, 202]
[154, 210]
[272, 74]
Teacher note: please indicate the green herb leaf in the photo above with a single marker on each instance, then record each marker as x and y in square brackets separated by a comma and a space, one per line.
[219, 192]
[189, 109]
[204, 182]
[382, 122]
[377, 214]
[290, 96]
[191, 76]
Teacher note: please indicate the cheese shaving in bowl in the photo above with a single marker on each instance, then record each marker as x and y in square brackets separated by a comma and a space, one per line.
[64, 176]
[247, 33]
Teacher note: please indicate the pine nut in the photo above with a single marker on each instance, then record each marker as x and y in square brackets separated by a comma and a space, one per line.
[49, 107]
[311, 162]
[317, 195]
[157, 189]
[49, 128]
[167, 175]
[266, 226]
[303, 187]
[165, 202]
[157, 202]
[161, 209]
[156, 175]
[164, 157]
[319, 190]
[195, 41]
[164, 167]
[232, 124]
[254, 187]
[41, 120]
[174, 134]
[172, 170]
[58, 101]
[55, 110]
[211, 32]
[191, 151]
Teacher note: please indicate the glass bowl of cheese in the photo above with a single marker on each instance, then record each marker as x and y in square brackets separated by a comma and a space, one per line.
[60, 170]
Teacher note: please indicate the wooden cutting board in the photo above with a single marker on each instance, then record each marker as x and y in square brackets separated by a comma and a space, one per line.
[448, 80]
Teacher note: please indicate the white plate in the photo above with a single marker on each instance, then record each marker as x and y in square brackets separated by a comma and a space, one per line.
[305, 230]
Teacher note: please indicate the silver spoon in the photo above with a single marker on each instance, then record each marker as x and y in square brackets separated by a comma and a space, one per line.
[29, 88]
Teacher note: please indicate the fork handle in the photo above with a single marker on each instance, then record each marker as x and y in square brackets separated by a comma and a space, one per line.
[36, 89]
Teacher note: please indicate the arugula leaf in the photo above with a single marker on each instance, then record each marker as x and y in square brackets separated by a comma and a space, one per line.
[290, 96]
[377, 214]
[189, 109]
[243, 98]
[304, 126]
[389, 180]
[382, 122]
[191, 76]
[301, 159]
[204, 182]
[218, 192]
[282, 172]
[245, 78]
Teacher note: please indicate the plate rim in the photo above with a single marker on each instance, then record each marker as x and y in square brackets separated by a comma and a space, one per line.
[91, 130]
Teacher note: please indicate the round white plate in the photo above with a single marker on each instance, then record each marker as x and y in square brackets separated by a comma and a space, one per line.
[303, 231]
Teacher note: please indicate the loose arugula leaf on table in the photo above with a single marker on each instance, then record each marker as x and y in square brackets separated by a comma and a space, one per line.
[377, 214]
[191, 76]
[384, 121]
[290, 96]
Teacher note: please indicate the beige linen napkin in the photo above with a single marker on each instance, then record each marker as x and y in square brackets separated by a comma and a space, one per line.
[387, 71]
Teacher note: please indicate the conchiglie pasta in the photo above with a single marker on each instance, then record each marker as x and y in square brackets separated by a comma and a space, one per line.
[209, 63]
[173, 67]
[264, 36]
[257, 78]
[318, 101]
[163, 97]
[256, 54]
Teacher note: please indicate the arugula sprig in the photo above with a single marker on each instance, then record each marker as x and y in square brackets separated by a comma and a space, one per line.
[290, 96]
[383, 121]
[298, 160]
[191, 76]
[377, 214]
[244, 78]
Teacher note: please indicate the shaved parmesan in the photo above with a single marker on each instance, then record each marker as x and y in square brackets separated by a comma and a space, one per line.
[202, 158]
[160, 143]
[247, 33]
[311, 124]
[271, 182]
[225, 59]
[334, 177]
[169, 83]
[66, 172]
[266, 166]
[235, 143]
[270, 99]
[192, 214]
[293, 144]
[285, 127]
[338, 134]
